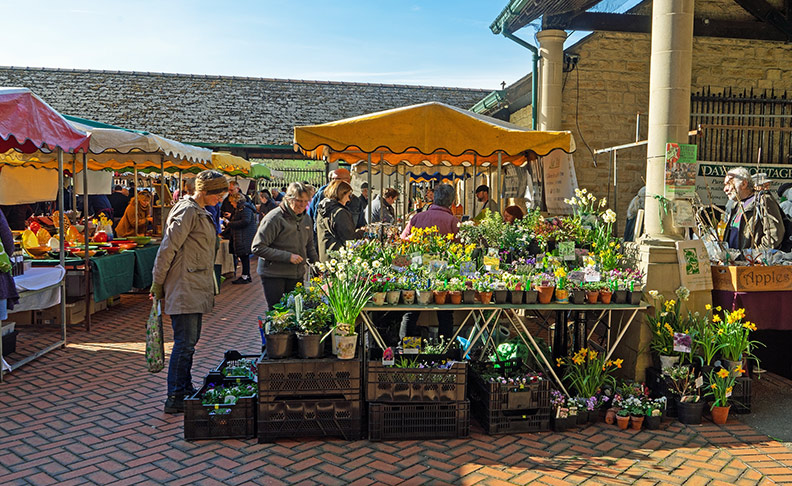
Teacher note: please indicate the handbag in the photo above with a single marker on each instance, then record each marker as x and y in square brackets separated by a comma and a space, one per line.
[155, 347]
[5, 260]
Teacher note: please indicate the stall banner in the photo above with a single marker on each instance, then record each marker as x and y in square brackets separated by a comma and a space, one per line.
[560, 181]
[694, 267]
[99, 182]
[680, 170]
[711, 174]
[27, 185]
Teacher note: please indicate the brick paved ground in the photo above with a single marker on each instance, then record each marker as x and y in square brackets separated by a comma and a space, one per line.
[91, 413]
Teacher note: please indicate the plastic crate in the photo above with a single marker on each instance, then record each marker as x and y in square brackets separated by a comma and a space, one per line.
[233, 358]
[497, 396]
[204, 422]
[9, 342]
[309, 418]
[411, 421]
[511, 421]
[392, 384]
[286, 379]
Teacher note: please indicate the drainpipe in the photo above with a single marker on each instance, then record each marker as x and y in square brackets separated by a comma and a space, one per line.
[534, 73]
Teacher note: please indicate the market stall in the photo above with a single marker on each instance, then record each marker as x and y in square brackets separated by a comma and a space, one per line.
[27, 125]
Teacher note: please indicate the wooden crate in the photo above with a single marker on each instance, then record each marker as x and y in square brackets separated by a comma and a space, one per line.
[752, 278]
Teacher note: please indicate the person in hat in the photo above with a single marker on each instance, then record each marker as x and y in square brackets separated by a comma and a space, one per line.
[753, 219]
[482, 194]
[183, 278]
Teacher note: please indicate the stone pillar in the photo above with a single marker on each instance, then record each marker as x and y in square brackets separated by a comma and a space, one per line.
[551, 67]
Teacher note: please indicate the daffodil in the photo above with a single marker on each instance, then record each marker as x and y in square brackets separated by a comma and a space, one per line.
[723, 373]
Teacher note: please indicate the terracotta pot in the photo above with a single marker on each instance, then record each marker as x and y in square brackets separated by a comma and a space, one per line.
[636, 422]
[605, 296]
[393, 297]
[623, 422]
[408, 297]
[610, 415]
[720, 414]
[378, 298]
[485, 297]
[440, 296]
[592, 296]
[545, 294]
[562, 296]
[455, 296]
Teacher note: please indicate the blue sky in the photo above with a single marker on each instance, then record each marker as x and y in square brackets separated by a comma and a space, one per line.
[436, 43]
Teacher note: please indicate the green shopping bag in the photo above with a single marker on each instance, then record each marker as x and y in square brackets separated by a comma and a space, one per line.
[155, 347]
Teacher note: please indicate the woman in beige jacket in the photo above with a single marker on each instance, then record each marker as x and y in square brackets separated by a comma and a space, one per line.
[184, 277]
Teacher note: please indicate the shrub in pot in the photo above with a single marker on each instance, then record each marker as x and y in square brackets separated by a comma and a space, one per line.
[312, 325]
[278, 330]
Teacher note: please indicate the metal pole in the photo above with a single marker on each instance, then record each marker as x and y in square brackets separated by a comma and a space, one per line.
[382, 183]
[464, 189]
[407, 194]
[74, 186]
[86, 256]
[162, 192]
[500, 181]
[473, 205]
[371, 190]
[61, 244]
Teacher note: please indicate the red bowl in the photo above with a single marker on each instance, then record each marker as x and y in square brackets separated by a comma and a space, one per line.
[111, 250]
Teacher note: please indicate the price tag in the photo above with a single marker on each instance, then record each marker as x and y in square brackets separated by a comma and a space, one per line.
[682, 342]
[566, 250]
[728, 394]
[576, 276]
[411, 344]
[699, 382]
[467, 269]
[416, 258]
[491, 263]
[593, 276]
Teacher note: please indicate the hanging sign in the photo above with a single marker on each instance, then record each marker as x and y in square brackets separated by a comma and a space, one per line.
[680, 170]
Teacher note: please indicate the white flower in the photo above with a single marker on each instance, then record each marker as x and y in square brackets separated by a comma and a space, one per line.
[365, 265]
[609, 216]
[683, 293]
[376, 264]
[654, 293]
[584, 191]
[603, 202]
[333, 262]
[342, 275]
[321, 266]
[579, 193]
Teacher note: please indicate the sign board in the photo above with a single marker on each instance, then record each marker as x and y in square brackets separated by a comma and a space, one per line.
[680, 170]
[712, 174]
[694, 267]
[560, 181]
[752, 279]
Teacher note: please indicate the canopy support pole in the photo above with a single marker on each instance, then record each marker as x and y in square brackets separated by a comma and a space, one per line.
[464, 190]
[500, 181]
[181, 185]
[74, 186]
[473, 205]
[381, 187]
[61, 246]
[407, 195]
[86, 255]
[162, 193]
[137, 189]
[371, 189]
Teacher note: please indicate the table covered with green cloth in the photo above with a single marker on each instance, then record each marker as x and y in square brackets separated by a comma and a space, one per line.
[144, 263]
[112, 274]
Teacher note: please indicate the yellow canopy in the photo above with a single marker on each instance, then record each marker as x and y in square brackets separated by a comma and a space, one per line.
[106, 160]
[427, 134]
[231, 164]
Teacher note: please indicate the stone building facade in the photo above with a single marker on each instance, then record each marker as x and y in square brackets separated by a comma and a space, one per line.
[218, 109]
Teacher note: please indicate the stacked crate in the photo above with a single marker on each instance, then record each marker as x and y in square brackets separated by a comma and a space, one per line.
[223, 421]
[408, 403]
[507, 408]
[309, 398]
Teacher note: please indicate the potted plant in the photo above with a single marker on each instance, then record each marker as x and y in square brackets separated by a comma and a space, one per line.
[688, 402]
[469, 294]
[720, 389]
[577, 294]
[544, 283]
[560, 416]
[530, 295]
[347, 289]
[278, 327]
[500, 292]
[592, 290]
[605, 293]
[378, 293]
[440, 291]
[313, 324]
[483, 285]
[654, 413]
[734, 334]
[666, 320]
[623, 418]
[423, 291]
[635, 406]
[633, 282]
[392, 290]
[455, 288]
[515, 287]
[561, 290]
[587, 372]
[618, 286]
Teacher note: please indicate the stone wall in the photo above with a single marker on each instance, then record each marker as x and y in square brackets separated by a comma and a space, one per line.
[218, 109]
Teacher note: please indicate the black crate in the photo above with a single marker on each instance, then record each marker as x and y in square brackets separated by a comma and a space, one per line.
[511, 421]
[291, 379]
[9, 342]
[412, 421]
[741, 395]
[392, 384]
[309, 418]
[236, 421]
[498, 397]
[232, 359]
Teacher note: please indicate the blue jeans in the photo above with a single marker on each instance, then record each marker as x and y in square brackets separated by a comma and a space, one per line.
[186, 332]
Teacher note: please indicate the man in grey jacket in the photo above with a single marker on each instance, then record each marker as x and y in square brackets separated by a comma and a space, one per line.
[284, 242]
[184, 278]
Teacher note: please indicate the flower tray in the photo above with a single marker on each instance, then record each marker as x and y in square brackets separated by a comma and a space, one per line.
[309, 418]
[411, 421]
[236, 421]
[501, 397]
[291, 379]
[392, 384]
[232, 359]
[511, 421]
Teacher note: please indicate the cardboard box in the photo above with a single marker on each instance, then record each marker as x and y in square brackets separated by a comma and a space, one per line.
[97, 306]
[752, 278]
[75, 314]
[23, 318]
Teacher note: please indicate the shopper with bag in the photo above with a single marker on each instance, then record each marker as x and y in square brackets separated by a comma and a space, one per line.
[184, 278]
